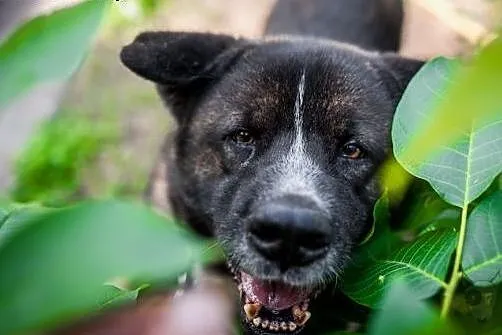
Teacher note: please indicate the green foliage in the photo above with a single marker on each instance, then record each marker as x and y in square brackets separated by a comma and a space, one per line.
[482, 261]
[54, 267]
[461, 170]
[423, 265]
[38, 51]
[403, 313]
[460, 157]
[50, 168]
[457, 101]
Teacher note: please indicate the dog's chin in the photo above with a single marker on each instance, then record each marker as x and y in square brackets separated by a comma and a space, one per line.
[272, 307]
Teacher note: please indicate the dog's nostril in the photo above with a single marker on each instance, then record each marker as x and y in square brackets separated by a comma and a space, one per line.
[315, 241]
[266, 232]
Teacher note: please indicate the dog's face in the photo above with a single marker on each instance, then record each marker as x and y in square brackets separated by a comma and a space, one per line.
[276, 152]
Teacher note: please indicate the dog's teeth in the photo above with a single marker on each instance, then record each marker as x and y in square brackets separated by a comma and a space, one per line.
[292, 326]
[305, 305]
[252, 310]
[297, 312]
[284, 326]
[274, 325]
[257, 321]
[304, 319]
[264, 324]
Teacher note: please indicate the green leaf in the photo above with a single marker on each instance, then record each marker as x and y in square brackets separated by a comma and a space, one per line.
[47, 48]
[462, 168]
[423, 265]
[114, 295]
[16, 218]
[403, 313]
[4, 214]
[482, 257]
[54, 269]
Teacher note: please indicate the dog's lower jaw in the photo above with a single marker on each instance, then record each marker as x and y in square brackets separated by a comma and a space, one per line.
[272, 307]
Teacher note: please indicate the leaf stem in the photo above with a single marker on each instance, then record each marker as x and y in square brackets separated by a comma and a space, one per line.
[456, 274]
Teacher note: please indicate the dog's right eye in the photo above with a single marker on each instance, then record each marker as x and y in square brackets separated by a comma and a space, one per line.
[243, 137]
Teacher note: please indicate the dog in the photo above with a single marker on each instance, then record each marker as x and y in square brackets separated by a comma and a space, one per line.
[277, 145]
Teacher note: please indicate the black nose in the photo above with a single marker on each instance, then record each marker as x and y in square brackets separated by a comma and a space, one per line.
[291, 231]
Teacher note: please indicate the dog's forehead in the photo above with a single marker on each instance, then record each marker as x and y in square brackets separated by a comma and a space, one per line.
[260, 92]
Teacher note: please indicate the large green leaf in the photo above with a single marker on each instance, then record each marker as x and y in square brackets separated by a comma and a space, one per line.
[47, 48]
[482, 257]
[55, 267]
[16, 217]
[423, 265]
[448, 125]
[458, 171]
[403, 313]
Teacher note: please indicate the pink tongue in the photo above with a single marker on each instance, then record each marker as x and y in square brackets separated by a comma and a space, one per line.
[274, 296]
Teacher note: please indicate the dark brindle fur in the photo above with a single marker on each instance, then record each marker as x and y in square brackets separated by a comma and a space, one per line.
[278, 140]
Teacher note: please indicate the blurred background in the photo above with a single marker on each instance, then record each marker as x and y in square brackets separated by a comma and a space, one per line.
[99, 133]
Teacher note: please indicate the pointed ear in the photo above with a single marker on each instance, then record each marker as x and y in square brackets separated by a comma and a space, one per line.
[397, 72]
[182, 64]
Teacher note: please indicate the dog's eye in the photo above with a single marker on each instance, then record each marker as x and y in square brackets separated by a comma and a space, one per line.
[352, 150]
[243, 137]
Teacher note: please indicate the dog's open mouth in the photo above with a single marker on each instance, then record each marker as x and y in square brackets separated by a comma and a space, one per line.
[271, 306]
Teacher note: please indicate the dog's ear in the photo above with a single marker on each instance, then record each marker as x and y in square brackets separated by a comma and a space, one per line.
[397, 72]
[182, 64]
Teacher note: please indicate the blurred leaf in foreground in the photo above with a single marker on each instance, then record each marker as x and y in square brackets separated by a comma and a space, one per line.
[55, 268]
[47, 48]
[403, 313]
[16, 217]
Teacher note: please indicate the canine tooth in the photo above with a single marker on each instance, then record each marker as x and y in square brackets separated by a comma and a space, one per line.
[298, 313]
[305, 305]
[284, 326]
[252, 310]
[292, 326]
[274, 325]
[302, 321]
[257, 321]
[264, 324]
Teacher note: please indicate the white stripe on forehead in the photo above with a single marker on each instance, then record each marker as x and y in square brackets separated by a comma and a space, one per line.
[298, 173]
[298, 144]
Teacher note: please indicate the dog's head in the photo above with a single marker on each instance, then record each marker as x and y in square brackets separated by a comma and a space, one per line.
[275, 153]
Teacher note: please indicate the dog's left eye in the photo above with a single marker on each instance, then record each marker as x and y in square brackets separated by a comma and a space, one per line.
[243, 137]
[352, 150]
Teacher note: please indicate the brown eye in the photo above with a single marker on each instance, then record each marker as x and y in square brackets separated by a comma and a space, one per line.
[352, 151]
[243, 137]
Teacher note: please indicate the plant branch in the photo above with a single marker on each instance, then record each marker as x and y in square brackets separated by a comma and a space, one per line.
[456, 273]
